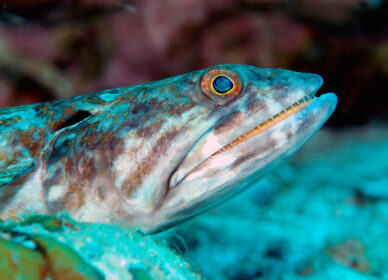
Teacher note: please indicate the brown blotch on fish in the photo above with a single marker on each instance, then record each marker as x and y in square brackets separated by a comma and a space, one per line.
[34, 144]
[115, 148]
[149, 130]
[129, 186]
[70, 168]
[86, 169]
[179, 110]
[100, 191]
[147, 164]
[74, 198]
[243, 159]
[281, 92]
[257, 106]
[233, 121]
[90, 136]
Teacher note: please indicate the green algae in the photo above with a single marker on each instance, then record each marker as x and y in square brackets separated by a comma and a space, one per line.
[64, 263]
[49, 223]
[18, 262]
[38, 256]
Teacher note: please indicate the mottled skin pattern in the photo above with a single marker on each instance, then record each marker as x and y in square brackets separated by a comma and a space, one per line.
[125, 154]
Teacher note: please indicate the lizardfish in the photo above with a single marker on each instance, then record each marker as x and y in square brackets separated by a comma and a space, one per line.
[156, 154]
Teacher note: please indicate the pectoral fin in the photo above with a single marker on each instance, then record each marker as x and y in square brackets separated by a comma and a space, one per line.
[10, 173]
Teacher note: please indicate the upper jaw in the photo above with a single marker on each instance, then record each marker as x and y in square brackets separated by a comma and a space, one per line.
[211, 143]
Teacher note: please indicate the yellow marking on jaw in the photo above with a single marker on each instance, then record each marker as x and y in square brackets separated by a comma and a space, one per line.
[266, 124]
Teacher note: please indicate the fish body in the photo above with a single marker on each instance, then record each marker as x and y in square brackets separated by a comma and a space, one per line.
[153, 155]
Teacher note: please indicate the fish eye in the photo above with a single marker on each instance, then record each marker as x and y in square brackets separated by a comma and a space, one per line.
[222, 85]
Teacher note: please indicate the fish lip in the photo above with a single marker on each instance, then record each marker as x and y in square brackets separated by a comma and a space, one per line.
[315, 86]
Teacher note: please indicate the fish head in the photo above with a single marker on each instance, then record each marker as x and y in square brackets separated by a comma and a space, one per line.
[252, 119]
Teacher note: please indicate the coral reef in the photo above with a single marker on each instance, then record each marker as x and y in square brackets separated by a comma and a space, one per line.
[46, 247]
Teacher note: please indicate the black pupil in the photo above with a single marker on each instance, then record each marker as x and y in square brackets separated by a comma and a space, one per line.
[222, 84]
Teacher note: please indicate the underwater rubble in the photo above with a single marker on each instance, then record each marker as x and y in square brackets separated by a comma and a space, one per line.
[321, 215]
[47, 247]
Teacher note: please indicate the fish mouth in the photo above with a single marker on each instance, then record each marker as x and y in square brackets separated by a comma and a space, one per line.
[263, 126]
[267, 124]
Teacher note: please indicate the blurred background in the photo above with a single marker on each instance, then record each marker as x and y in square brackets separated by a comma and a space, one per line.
[51, 49]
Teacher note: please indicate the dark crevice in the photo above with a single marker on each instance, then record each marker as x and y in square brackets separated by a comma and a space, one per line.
[76, 117]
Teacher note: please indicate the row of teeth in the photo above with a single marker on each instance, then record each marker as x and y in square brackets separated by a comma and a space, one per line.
[267, 124]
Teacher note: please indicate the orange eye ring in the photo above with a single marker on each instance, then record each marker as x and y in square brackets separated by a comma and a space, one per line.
[221, 86]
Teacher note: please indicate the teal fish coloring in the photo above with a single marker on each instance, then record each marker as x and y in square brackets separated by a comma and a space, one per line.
[156, 154]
